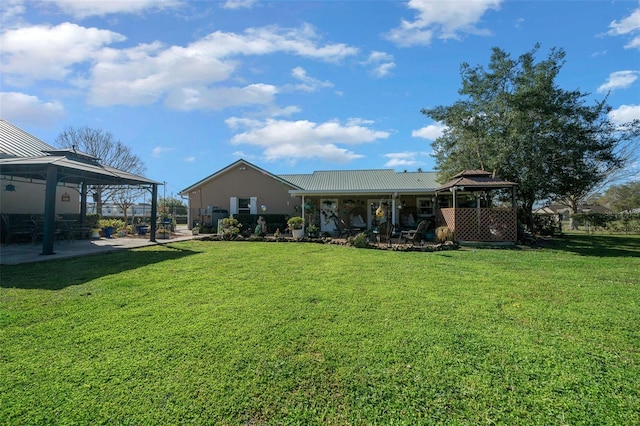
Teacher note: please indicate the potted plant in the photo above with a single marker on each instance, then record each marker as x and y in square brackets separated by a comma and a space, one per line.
[92, 223]
[163, 233]
[142, 228]
[107, 226]
[296, 224]
[314, 231]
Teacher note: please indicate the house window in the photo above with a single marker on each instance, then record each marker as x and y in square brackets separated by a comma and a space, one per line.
[425, 207]
[244, 205]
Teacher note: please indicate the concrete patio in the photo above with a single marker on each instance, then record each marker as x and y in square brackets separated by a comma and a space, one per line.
[14, 254]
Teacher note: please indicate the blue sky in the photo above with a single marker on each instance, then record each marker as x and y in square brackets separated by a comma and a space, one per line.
[292, 86]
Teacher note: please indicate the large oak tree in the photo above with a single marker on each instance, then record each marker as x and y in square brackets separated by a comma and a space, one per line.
[515, 121]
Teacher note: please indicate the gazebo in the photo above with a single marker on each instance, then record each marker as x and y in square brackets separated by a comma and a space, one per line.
[475, 219]
[69, 166]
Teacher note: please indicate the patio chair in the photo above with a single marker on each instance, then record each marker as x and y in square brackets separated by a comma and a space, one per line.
[384, 232]
[416, 235]
[356, 219]
[342, 230]
[11, 229]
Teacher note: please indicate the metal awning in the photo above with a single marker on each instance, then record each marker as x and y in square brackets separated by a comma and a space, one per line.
[69, 166]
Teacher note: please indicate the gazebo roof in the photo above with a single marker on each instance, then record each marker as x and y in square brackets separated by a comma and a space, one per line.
[476, 179]
[74, 167]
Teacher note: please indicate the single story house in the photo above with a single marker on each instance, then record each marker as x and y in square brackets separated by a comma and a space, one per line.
[358, 199]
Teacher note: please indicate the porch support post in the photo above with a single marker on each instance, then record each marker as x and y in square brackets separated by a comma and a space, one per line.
[48, 232]
[83, 204]
[154, 211]
[393, 211]
[302, 212]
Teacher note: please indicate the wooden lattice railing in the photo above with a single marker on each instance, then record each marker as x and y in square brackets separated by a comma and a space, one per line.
[484, 224]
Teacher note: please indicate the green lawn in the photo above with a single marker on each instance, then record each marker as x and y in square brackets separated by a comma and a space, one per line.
[293, 333]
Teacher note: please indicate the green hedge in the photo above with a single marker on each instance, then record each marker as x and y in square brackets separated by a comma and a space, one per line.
[274, 221]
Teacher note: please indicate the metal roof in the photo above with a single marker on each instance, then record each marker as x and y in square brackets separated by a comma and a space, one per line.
[341, 181]
[478, 179]
[15, 142]
[371, 181]
[73, 167]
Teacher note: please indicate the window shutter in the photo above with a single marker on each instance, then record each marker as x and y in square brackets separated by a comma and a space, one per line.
[233, 205]
[254, 205]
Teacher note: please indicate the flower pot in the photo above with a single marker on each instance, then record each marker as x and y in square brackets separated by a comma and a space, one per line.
[142, 229]
[298, 234]
[108, 231]
[95, 233]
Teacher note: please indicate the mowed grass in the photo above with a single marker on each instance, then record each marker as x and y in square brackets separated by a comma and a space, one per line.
[285, 333]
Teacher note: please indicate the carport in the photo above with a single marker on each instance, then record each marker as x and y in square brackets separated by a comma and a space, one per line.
[72, 167]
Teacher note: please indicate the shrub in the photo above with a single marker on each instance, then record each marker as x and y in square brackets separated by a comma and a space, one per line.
[444, 233]
[230, 227]
[117, 224]
[295, 222]
[360, 240]
[92, 220]
[546, 224]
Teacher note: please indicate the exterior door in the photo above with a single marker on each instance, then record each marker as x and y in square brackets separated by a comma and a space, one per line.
[328, 214]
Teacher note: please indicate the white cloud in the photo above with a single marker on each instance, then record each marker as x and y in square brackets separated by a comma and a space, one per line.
[431, 132]
[619, 80]
[159, 151]
[628, 26]
[291, 140]
[444, 20]
[382, 63]
[11, 12]
[83, 8]
[404, 159]
[383, 70]
[625, 114]
[309, 84]
[300, 41]
[191, 159]
[239, 4]
[27, 109]
[148, 73]
[185, 77]
[220, 97]
[45, 52]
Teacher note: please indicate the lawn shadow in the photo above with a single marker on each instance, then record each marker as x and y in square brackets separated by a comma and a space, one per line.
[61, 273]
[598, 245]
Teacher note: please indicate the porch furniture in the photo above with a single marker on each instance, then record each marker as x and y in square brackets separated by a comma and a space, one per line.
[342, 230]
[356, 219]
[384, 232]
[416, 235]
[15, 228]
